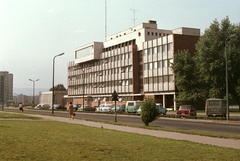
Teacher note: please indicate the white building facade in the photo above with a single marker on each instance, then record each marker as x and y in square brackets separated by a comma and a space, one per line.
[135, 63]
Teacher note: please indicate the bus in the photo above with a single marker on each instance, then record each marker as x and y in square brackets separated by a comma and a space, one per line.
[132, 106]
[215, 107]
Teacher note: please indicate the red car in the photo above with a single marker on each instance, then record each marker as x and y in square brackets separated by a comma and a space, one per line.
[186, 110]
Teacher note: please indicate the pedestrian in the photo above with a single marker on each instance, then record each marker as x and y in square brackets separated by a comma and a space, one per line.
[70, 110]
[20, 107]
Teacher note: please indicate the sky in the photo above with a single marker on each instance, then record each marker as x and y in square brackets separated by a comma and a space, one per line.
[32, 32]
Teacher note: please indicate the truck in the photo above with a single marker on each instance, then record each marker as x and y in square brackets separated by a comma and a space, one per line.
[216, 107]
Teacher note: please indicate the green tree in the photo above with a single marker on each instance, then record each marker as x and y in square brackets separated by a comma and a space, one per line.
[188, 87]
[59, 87]
[149, 111]
[210, 60]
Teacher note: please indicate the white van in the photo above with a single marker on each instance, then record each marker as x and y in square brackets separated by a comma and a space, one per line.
[216, 107]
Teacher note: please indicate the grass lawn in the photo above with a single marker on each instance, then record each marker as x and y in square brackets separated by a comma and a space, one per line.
[28, 138]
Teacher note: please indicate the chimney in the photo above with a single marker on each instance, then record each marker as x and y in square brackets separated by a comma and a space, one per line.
[152, 22]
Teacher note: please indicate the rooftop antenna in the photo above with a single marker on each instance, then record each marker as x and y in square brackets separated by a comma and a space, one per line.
[105, 19]
[134, 10]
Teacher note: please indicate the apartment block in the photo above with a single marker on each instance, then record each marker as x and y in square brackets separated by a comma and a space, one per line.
[135, 63]
[6, 87]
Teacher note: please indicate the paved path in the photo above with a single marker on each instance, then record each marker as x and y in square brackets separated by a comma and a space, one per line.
[229, 143]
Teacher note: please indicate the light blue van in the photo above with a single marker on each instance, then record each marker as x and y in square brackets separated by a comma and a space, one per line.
[132, 106]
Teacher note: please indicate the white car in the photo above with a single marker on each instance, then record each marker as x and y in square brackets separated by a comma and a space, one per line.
[105, 108]
[42, 106]
[119, 108]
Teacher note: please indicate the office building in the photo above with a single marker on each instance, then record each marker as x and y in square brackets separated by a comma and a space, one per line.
[135, 63]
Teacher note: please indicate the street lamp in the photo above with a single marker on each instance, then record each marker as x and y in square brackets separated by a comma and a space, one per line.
[227, 74]
[53, 82]
[77, 67]
[16, 97]
[33, 89]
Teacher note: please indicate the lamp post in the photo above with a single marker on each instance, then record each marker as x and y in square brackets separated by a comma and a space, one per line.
[16, 97]
[53, 81]
[227, 103]
[33, 89]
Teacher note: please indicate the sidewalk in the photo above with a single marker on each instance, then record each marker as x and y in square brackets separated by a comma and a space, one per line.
[229, 143]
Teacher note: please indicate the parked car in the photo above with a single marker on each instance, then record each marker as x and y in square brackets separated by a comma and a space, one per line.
[186, 110]
[119, 108]
[139, 111]
[82, 108]
[75, 107]
[89, 108]
[162, 110]
[97, 109]
[42, 106]
[104, 108]
[57, 107]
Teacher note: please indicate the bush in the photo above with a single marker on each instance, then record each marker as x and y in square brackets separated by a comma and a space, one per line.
[149, 111]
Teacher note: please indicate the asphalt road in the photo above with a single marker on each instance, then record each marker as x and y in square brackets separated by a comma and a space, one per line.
[176, 123]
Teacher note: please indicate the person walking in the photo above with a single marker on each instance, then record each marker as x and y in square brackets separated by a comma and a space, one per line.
[20, 107]
[70, 110]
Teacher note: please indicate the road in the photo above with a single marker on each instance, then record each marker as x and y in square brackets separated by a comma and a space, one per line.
[176, 123]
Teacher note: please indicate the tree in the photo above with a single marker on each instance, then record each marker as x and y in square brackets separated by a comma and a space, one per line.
[59, 87]
[149, 111]
[210, 60]
[188, 87]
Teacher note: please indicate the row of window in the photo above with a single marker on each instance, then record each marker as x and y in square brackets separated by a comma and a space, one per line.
[157, 34]
[111, 71]
[158, 49]
[158, 64]
[163, 79]
[125, 82]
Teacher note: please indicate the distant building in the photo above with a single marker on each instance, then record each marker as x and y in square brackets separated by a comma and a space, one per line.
[135, 63]
[46, 97]
[6, 86]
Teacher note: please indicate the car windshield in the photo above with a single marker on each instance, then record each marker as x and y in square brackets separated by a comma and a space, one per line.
[185, 108]
[130, 104]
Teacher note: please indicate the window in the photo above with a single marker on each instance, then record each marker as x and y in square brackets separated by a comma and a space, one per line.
[146, 66]
[130, 55]
[155, 80]
[155, 65]
[165, 78]
[150, 66]
[145, 52]
[126, 55]
[170, 46]
[150, 51]
[130, 68]
[160, 79]
[122, 56]
[150, 80]
[160, 64]
[145, 80]
[160, 49]
[163, 48]
[155, 50]
[170, 78]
